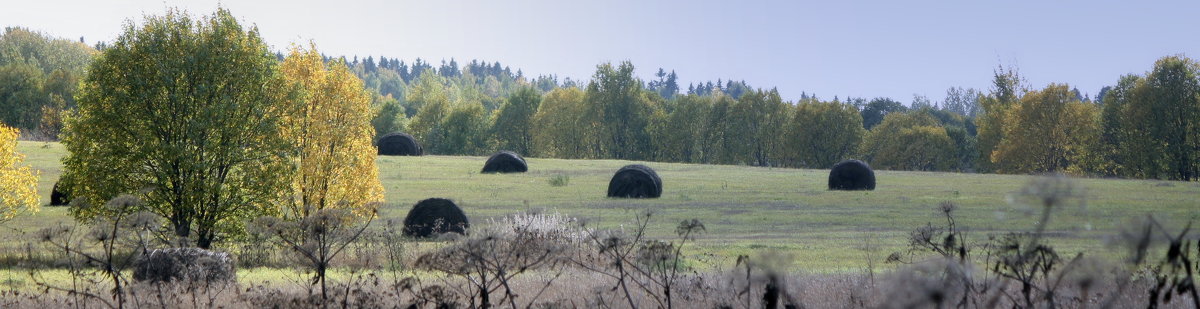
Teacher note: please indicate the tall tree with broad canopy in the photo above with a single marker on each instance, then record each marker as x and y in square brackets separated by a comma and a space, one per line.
[1007, 89]
[331, 125]
[910, 141]
[620, 109]
[559, 127]
[821, 134]
[1162, 122]
[513, 129]
[187, 114]
[757, 124]
[1048, 130]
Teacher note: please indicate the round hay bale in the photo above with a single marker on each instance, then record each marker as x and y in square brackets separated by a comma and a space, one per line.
[59, 196]
[434, 216]
[398, 144]
[184, 265]
[635, 181]
[851, 175]
[505, 162]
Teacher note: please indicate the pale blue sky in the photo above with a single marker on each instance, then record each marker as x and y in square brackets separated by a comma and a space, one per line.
[842, 48]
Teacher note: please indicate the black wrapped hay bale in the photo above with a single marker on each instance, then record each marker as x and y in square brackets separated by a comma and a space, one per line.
[184, 264]
[435, 216]
[635, 181]
[398, 144]
[851, 175]
[505, 162]
[59, 196]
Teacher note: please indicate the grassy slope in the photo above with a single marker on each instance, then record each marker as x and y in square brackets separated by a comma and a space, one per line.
[745, 209]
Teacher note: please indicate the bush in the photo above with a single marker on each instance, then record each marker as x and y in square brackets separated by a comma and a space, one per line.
[559, 180]
[184, 264]
[398, 144]
[435, 216]
[505, 162]
[851, 175]
[635, 181]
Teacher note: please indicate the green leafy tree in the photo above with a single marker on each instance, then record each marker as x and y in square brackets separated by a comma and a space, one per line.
[715, 144]
[513, 129]
[389, 115]
[39, 75]
[430, 97]
[821, 134]
[187, 114]
[910, 141]
[877, 108]
[678, 134]
[756, 127]
[21, 95]
[1106, 156]
[1162, 122]
[1049, 130]
[620, 110]
[560, 130]
[20, 45]
[464, 130]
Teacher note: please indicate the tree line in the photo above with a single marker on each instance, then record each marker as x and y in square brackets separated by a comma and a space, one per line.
[1142, 127]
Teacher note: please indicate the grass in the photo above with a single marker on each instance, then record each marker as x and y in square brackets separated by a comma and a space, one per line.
[745, 209]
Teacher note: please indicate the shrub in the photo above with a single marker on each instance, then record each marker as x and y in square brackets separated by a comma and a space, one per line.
[559, 180]
[505, 162]
[851, 175]
[635, 181]
[435, 216]
[184, 264]
[398, 144]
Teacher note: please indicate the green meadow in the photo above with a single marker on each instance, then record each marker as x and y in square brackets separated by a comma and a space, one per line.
[744, 209]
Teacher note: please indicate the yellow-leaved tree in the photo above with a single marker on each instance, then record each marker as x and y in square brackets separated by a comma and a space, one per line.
[331, 126]
[1048, 130]
[18, 184]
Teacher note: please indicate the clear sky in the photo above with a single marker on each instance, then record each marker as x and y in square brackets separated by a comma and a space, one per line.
[845, 48]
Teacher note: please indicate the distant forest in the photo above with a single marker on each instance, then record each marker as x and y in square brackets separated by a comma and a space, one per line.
[1143, 126]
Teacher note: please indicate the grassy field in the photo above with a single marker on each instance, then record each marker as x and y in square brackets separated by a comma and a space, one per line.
[745, 209]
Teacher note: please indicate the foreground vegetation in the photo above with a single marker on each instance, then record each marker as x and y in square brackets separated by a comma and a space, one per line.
[822, 248]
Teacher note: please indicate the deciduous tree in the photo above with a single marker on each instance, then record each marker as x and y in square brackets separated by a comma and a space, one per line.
[188, 115]
[1162, 122]
[910, 141]
[513, 129]
[429, 96]
[822, 133]
[18, 184]
[560, 129]
[757, 123]
[330, 126]
[877, 108]
[1049, 130]
[1007, 89]
[616, 102]
[677, 136]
